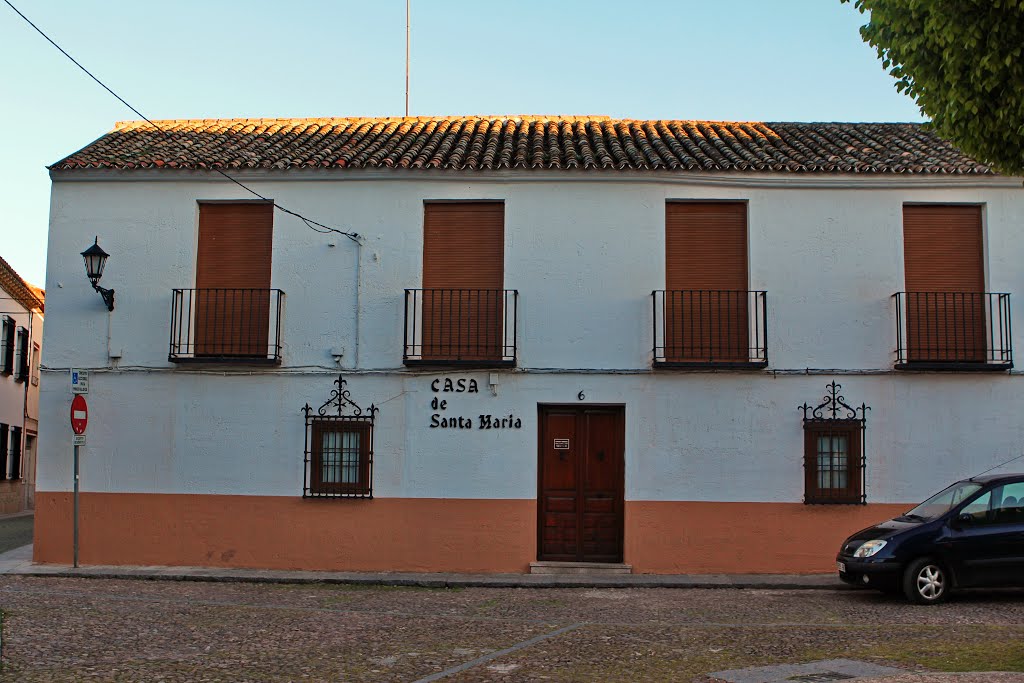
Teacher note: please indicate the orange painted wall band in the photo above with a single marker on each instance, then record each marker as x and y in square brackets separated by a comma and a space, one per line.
[431, 534]
[743, 538]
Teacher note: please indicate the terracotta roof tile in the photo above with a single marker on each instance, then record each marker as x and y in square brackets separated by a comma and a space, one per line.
[525, 142]
[29, 296]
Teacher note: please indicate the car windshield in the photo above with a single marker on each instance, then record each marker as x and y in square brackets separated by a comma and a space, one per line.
[942, 502]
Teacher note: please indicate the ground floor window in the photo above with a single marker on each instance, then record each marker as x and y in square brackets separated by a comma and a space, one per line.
[832, 464]
[834, 458]
[338, 460]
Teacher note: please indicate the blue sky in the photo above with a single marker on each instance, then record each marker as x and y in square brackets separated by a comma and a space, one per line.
[783, 60]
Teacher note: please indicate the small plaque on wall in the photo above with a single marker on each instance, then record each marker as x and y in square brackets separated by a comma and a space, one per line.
[561, 444]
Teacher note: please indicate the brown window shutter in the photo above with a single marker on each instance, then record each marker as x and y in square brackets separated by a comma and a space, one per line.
[21, 367]
[7, 347]
[463, 280]
[706, 300]
[233, 278]
[4, 445]
[945, 283]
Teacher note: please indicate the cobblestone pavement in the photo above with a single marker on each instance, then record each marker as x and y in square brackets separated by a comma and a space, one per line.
[68, 629]
[15, 532]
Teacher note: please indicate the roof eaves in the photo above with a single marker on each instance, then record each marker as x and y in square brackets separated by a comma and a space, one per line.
[20, 291]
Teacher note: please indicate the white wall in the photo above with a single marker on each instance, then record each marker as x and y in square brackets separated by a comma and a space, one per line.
[35, 337]
[12, 393]
[584, 251]
[688, 436]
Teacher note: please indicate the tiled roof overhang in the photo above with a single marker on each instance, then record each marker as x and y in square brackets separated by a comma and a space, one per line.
[25, 294]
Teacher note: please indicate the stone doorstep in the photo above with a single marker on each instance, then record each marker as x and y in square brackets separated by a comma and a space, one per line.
[585, 568]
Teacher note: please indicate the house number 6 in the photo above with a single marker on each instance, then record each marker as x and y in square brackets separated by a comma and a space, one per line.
[581, 396]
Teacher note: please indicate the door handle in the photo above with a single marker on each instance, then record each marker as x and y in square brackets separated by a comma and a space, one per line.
[600, 455]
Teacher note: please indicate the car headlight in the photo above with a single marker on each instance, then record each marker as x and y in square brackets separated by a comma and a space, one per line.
[870, 548]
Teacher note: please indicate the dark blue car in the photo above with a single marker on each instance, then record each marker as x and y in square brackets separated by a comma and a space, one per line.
[970, 534]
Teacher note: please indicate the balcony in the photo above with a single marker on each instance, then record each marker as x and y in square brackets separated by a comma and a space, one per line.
[236, 326]
[953, 331]
[701, 328]
[460, 327]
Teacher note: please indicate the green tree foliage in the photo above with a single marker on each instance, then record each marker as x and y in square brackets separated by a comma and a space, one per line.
[961, 62]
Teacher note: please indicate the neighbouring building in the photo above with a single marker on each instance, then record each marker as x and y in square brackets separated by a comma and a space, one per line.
[681, 346]
[21, 334]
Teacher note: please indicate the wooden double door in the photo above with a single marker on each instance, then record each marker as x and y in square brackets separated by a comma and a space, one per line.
[581, 483]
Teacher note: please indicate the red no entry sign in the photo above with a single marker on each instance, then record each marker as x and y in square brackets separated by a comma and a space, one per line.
[79, 414]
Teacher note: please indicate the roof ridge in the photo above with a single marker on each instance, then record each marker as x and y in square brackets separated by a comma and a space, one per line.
[568, 118]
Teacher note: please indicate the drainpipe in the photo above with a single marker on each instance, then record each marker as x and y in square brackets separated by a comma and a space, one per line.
[359, 287]
[24, 410]
[110, 316]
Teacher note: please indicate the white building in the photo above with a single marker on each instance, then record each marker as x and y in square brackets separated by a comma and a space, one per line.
[584, 340]
[21, 331]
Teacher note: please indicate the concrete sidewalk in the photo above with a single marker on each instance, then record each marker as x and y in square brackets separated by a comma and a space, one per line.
[19, 562]
[13, 561]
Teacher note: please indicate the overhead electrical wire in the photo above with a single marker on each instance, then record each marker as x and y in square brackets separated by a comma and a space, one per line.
[311, 224]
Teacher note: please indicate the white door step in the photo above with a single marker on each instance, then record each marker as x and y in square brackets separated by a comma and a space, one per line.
[590, 568]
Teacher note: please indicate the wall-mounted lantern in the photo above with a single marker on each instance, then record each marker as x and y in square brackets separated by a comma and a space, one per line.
[95, 260]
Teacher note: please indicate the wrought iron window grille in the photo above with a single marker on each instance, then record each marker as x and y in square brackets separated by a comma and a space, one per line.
[343, 429]
[833, 419]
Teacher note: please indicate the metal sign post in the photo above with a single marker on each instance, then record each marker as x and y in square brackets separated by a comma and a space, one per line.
[76, 509]
[79, 421]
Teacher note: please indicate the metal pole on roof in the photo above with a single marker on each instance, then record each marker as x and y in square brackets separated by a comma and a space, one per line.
[406, 57]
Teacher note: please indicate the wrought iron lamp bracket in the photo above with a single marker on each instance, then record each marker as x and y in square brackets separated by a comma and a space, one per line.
[339, 401]
[834, 403]
[107, 294]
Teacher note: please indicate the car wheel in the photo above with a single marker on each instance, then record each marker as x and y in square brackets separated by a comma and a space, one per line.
[926, 582]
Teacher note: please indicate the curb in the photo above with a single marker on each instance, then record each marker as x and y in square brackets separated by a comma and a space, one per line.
[17, 515]
[449, 581]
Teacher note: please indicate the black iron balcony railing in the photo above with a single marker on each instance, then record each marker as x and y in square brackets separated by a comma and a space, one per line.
[953, 331]
[710, 328]
[460, 327]
[226, 326]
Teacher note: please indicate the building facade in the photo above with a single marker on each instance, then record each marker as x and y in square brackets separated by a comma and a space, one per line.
[21, 334]
[680, 346]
